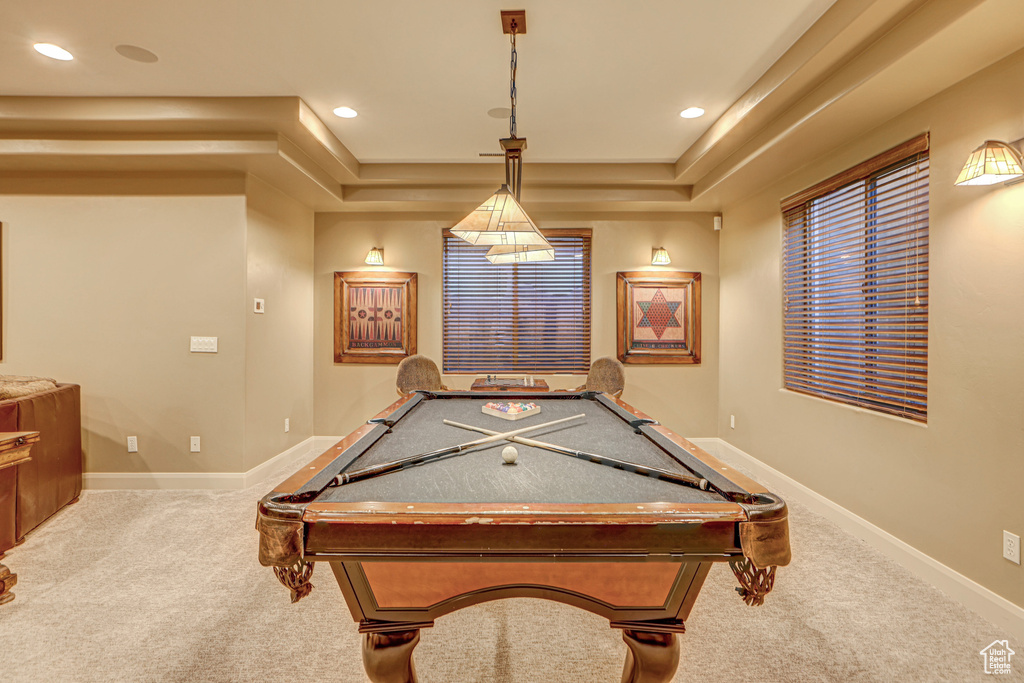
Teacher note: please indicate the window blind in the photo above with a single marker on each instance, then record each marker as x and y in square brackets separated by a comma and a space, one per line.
[855, 281]
[522, 317]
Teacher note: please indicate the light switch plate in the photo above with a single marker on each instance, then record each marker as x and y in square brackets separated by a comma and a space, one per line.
[203, 345]
[258, 306]
[193, 444]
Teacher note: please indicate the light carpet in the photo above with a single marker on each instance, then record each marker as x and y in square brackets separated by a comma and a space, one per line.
[165, 586]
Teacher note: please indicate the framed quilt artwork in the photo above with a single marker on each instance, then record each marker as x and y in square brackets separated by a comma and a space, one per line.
[658, 317]
[374, 317]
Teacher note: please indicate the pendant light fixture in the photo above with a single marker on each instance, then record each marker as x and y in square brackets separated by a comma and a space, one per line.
[501, 221]
[520, 253]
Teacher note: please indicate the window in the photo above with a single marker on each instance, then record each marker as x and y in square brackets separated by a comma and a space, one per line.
[855, 285]
[523, 317]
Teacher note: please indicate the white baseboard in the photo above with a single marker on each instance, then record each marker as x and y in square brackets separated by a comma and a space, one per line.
[162, 480]
[972, 595]
[225, 481]
[302, 452]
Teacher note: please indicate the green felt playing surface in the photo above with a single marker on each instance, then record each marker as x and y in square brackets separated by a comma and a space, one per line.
[480, 476]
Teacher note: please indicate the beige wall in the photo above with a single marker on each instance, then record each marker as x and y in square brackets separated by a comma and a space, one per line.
[683, 397]
[105, 291]
[279, 342]
[951, 487]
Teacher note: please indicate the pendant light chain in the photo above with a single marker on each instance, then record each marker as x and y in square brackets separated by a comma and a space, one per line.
[512, 87]
[501, 222]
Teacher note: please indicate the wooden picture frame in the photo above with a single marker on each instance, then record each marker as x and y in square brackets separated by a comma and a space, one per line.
[374, 317]
[658, 317]
[1, 292]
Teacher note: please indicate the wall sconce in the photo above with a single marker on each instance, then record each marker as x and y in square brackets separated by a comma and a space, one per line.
[375, 257]
[993, 162]
[659, 257]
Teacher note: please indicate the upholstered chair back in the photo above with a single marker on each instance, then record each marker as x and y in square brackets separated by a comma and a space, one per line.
[608, 375]
[418, 372]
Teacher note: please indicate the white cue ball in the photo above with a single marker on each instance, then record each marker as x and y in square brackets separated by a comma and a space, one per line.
[509, 455]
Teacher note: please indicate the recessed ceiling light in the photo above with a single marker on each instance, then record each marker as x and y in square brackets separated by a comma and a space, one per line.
[499, 113]
[136, 53]
[691, 112]
[346, 112]
[53, 51]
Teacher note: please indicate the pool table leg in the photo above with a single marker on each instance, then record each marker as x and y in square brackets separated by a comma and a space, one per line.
[652, 657]
[387, 656]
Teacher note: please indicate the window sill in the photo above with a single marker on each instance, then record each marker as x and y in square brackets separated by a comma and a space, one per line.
[856, 409]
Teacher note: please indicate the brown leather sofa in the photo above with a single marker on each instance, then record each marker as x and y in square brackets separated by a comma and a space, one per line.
[31, 492]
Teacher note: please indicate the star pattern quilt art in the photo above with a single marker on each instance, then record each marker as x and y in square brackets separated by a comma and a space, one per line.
[658, 317]
[658, 321]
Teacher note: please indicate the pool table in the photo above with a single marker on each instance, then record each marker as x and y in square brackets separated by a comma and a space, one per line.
[423, 541]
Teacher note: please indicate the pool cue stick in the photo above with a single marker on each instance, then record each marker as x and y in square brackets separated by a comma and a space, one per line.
[644, 470]
[377, 470]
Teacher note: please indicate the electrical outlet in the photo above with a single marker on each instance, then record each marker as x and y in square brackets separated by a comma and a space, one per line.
[287, 424]
[732, 422]
[133, 444]
[194, 444]
[1011, 547]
